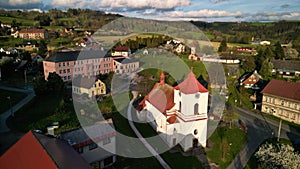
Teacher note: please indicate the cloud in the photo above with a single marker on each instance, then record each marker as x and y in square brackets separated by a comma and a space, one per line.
[203, 14]
[23, 2]
[115, 4]
[274, 16]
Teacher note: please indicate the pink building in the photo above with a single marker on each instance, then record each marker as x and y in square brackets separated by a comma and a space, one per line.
[84, 63]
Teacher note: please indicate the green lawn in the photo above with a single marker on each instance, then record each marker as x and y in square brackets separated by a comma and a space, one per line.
[24, 22]
[41, 112]
[233, 140]
[15, 97]
[8, 41]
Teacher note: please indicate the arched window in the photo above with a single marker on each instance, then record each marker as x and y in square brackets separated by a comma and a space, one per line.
[179, 106]
[196, 109]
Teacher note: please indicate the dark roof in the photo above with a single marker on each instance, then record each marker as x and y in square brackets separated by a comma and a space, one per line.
[283, 89]
[75, 55]
[35, 150]
[79, 137]
[122, 49]
[84, 81]
[286, 64]
[125, 60]
[32, 31]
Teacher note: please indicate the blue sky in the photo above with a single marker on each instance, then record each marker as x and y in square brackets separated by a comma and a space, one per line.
[205, 10]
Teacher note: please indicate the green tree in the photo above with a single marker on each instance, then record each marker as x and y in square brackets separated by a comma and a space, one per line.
[279, 53]
[55, 83]
[40, 85]
[230, 116]
[266, 69]
[249, 64]
[223, 46]
[42, 48]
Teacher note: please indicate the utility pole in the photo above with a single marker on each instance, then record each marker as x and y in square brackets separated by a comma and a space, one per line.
[279, 130]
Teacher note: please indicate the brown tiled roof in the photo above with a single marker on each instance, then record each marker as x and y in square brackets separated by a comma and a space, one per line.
[122, 49]
[283, 89]
[286, 64]
[32, 31]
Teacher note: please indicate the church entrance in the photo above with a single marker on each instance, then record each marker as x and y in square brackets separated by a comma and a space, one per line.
[195, 143]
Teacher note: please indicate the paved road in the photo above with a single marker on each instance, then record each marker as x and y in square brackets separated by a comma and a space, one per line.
[259, 129]
[146, 144]
[15, 108]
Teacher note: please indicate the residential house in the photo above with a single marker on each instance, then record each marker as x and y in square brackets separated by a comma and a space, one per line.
[282, 99]
[14, 32]
[95, 143]
[29, 45]
[88, 85]
[251, 80]
[178, 113]
[251, 51]
[125, 65]
[35, 151]
[33, 34]
[193, 55]
[5, 25]
[121, 51]
[286, 68]
[82, 63]
[265, 43]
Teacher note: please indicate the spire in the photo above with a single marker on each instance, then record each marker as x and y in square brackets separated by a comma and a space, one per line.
[162, 78]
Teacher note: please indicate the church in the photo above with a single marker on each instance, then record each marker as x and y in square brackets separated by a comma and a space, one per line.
[178, 114]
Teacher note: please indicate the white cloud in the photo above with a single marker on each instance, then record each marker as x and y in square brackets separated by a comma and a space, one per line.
[23, 2]
[274, 16]
[134, 4]
[203, 14]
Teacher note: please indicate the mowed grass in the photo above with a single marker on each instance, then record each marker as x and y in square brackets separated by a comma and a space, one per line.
[235, 140]
[15, 97]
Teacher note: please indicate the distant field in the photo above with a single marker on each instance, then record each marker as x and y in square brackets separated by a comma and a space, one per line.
[7, 41]
[24, 22]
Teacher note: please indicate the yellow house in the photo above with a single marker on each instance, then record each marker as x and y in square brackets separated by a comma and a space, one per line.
[88, 85]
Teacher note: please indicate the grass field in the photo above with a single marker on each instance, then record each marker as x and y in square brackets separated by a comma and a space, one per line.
[15, 97]
[8, 41]
[235, 139]
[24, 22]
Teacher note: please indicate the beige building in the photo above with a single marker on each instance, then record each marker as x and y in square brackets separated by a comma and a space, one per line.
[282, 99]
[88, 85]
[33, 34]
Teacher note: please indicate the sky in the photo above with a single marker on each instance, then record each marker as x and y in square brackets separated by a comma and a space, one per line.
[203, 10]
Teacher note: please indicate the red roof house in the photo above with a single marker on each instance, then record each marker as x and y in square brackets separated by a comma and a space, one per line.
[37, 151]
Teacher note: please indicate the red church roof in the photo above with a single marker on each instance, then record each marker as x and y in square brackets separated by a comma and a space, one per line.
[36, 151]
[191, 85]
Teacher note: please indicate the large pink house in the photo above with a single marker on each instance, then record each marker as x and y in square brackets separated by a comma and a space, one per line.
[84, 63]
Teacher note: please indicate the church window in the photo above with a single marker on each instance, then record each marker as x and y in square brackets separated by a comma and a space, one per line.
[179, 106]
[197, 96]
[195, 131]
[196, 109]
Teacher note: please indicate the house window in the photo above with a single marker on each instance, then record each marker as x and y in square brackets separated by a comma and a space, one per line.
[282, 103]
[288, 104]
[196, 109]
[296, 106]
[265, 98]
[106, 141]
[93, 146]
[281, 112]
[273, 100]
[293, 116]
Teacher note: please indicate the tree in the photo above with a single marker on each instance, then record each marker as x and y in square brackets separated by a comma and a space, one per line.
[55, 83]
[40, 85]
[223, 46]
[277, 156]
[230, 116]
[279, 53]
[42, 48]
[249, 64]
[266, 69]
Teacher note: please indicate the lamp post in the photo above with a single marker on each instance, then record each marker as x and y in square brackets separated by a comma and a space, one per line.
[10, 107]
